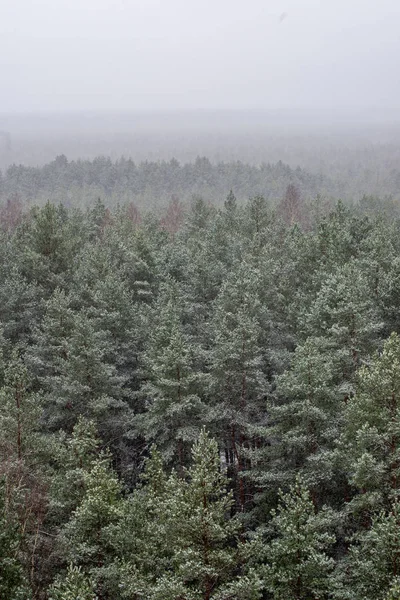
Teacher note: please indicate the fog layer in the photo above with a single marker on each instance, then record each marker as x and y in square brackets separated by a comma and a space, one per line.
[191, 54]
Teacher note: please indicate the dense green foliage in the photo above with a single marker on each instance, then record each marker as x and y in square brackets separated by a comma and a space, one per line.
[202, 404]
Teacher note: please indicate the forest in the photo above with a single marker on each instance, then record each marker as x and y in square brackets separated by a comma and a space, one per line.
[152, 184]
[147, 157]
[200, 401]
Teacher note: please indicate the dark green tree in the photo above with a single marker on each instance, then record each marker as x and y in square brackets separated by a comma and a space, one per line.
[369, 444]
[74, 585]
[304, 420]
[84, 537]
[11, 571]
[172, 386]
[238, 386]
[370, 571]
[180, 539]
[297, 565]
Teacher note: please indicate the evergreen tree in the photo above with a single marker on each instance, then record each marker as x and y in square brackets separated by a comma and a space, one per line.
[237, 383]
[382, 264]
[11, 571]
[259, 217]
[84, 538]
[76, 456]
[20, 308]
[99, 219]
[20, 412]
[142, 265]
[340, 237]
[369, 443]
[199, 216]
[177, 538]
[142, 539]
[172, 387]
[75, 586]
[303, 425]
[230, 203]
[205, 270]
[87, 384]
[371, 569]
[50, 348]
[48, 246]
[25, 454]
[208, 552]
[345, 313]
[297, 564]
[114, 315]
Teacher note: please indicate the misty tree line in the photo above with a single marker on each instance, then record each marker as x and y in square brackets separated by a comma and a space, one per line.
[79, 183]
[202, 404]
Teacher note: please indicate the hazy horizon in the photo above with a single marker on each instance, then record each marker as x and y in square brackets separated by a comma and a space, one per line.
[147, 55]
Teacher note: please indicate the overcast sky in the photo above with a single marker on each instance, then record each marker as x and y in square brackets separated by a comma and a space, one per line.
[207, 54]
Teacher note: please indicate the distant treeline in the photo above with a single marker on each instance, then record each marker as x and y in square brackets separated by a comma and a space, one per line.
[151, 184]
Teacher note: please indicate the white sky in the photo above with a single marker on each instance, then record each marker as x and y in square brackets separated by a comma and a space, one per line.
[211, 54]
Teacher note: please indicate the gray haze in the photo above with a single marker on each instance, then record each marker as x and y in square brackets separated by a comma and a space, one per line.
[123, 55]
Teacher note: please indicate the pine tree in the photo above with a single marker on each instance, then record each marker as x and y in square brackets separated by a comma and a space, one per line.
[87, 384]
[383, 267]
[142, 263]
[199, 216]
[48, 247]
[340, 236]
[128, 260]
[119, 320]
[172, 386]
[11, 571]
[76, 456]
[25, 454]
[297, 564]
[370, 571]
[344, 313]
[303, 425]
[259, 217]
[99, 218]
[205, 269]
[113, 286]
[370, 439]
[237, 384]
[286, 259]
[20, 308]
[142, 540]
[208, 552]
[50, 339]
[84, 536]
[20, 412]
[181, 540]
[75, 586]
[230, 203]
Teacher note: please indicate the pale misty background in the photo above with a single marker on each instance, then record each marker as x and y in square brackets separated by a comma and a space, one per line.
[174, 54]
[261, 80]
